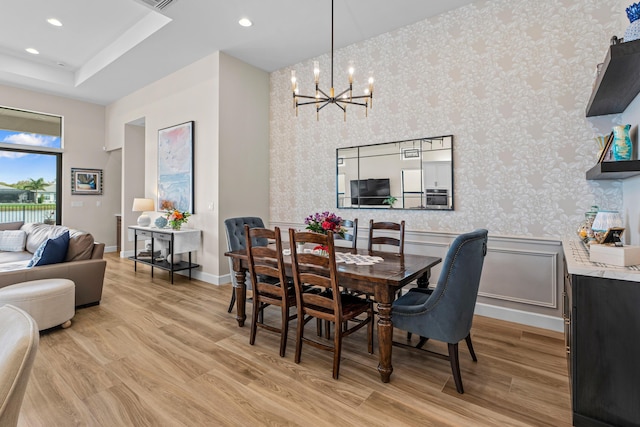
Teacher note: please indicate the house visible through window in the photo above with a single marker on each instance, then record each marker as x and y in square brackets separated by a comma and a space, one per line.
[30, 166]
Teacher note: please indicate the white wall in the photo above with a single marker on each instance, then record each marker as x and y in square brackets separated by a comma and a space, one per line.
[228, 102]
[84, 138]
[244, 145]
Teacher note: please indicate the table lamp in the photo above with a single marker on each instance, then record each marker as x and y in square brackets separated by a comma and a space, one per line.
[143, 205]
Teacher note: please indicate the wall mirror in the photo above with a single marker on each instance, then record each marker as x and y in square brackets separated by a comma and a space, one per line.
[411, 174]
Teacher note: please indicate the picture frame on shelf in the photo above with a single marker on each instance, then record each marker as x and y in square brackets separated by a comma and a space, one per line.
[86, 181]
[606, 155]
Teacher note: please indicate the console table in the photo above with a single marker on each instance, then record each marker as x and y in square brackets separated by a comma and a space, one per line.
[176, 241]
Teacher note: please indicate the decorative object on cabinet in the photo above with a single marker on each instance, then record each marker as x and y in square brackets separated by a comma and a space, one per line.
[605, 221]
[614, 255]
[143, 205]
[585, 230]
[86, 181]
[175, 168]
[621, 143]
[633, 30]
[617, 85]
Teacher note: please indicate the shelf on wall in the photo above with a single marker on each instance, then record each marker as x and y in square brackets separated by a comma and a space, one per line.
[618, 83]
[614, 170]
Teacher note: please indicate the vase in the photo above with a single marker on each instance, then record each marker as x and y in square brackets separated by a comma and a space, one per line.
[633, 30]
[161, 222]
[176, 226]
[621, 143]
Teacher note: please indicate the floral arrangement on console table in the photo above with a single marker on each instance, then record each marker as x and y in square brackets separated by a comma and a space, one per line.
[177, 218]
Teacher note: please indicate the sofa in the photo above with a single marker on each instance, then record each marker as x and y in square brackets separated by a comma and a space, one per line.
[83, 262]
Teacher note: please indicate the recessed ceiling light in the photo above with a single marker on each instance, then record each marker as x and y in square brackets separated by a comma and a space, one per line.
[54, 22]
[245, 22]
[32, 51]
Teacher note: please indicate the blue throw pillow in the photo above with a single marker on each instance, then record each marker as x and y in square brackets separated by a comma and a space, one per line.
[52, 251]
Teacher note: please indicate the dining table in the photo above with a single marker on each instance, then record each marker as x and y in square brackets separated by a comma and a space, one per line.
[381, 280]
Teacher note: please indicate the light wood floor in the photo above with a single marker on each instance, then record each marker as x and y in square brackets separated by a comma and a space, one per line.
[155, 354]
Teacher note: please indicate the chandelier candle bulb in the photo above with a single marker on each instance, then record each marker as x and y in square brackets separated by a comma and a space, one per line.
[316, 71]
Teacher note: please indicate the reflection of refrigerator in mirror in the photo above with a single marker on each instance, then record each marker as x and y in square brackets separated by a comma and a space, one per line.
[437, 184]
[412, 189]
[341, 195]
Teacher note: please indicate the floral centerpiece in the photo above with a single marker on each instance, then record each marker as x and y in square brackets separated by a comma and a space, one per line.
[177, 218]
[323, 222]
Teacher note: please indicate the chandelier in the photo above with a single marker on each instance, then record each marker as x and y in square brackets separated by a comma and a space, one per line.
[321, 99]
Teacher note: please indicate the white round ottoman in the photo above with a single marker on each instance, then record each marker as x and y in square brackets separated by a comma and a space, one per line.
[51, 302]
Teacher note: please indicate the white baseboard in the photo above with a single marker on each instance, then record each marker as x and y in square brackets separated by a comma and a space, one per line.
[110, 248]
[519, 316]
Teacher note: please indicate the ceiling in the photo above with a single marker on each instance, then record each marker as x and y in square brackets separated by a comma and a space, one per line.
[107, 49]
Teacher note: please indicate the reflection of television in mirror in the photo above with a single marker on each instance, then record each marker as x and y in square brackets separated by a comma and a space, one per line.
[369, 191]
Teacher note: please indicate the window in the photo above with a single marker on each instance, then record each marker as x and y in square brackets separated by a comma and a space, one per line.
[30, 166]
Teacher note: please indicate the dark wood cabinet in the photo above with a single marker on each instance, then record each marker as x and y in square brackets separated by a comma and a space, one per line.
[602, 331]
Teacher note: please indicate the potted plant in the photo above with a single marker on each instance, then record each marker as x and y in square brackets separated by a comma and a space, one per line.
[390, 201]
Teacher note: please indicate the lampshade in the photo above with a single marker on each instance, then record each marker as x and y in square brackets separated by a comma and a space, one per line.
[142, 205]
[605, 220]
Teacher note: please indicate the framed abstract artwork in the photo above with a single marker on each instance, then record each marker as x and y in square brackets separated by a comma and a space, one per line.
[86, 181]
[175, 168]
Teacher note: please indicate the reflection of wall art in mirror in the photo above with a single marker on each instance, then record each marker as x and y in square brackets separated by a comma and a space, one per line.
[86, 181]
[410, 153]
[416, 173]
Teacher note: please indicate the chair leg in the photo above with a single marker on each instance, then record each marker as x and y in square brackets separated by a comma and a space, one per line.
[327, 329]
[337, 350]
[254, 320]
[370, 329]
[318, 327]
[284, 329]
[233, 300]
[299, 335]
[455, 366]
[470, 346]
[422, 342]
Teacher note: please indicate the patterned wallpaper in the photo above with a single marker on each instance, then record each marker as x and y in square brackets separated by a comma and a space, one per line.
[510, 79]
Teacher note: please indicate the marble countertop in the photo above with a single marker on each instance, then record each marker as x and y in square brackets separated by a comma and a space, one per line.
[577, 257]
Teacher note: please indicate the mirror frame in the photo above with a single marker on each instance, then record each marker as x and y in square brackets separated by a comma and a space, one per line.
[411, 150]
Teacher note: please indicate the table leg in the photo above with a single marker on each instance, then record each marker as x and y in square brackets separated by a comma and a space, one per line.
[385, 339]
[240, 288]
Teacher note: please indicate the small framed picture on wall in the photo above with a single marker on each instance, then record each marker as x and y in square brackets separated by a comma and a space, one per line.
[86, 181]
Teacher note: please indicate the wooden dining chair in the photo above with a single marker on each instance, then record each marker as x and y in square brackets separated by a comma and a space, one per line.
[350, 236]
[386, 239]
[319, 270]
[270, 284]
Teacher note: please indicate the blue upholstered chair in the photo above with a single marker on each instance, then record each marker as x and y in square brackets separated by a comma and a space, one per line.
[446, 312]
[236, 241]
